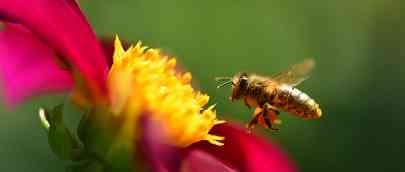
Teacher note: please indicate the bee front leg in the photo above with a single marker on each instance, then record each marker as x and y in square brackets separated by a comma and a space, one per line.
[267, 109]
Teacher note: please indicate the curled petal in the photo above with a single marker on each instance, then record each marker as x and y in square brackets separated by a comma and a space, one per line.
[61, 25]
[28, 67]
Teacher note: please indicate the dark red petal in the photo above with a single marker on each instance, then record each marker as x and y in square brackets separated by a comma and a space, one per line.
[246, 152]
[200, 161]
[160, 156]
[241, 152]
[108, 46]
[28, 67]
[61, 25]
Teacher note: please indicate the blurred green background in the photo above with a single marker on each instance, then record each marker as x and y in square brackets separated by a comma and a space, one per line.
[358, 79]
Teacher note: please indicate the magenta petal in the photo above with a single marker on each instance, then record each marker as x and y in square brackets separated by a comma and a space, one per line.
[60, 24]
[160, 156]
[73, 4]
[246, 152]
[200, 161]
[28, 67]
[241, 152]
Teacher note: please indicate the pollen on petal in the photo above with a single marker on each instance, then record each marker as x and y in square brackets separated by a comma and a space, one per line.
[142, 79]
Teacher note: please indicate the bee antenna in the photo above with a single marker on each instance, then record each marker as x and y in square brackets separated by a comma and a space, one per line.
[223, 78]
[225, 83]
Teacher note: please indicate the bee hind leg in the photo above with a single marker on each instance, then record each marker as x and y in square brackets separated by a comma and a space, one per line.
[267, 109]
[268, 123]
[246, 102]
[252, 123]
[255, 120]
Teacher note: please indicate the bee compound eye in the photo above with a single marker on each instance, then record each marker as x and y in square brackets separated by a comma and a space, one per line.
[243, 82]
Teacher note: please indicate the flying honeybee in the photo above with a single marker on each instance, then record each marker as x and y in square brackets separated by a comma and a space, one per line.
[271, 94]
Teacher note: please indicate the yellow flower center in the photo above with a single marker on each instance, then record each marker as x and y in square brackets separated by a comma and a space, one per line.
[143, 80]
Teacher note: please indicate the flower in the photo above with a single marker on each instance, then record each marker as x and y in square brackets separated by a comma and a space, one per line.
[48, 46]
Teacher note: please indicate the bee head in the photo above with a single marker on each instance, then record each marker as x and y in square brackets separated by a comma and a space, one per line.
[240, 80]
[239, 84]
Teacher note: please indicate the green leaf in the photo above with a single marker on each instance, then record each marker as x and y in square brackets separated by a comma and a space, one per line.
[83, 126]
[56, 114]
[86, 166]
[60, 139]
[61, 142]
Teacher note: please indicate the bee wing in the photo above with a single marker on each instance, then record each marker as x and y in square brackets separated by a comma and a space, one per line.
[295, 74]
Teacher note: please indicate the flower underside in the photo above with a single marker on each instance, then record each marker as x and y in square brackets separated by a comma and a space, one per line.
[145, 80]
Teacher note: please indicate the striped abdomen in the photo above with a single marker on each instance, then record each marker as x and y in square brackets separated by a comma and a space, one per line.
[296, 102]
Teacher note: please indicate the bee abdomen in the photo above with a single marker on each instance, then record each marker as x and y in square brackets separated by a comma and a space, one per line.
[296, 102]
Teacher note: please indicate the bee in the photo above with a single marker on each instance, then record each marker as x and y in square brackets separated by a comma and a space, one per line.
[269, 95]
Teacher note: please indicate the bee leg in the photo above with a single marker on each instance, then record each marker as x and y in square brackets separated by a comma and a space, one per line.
[246, 103]
[254, 121]
[267, 108]
[268, 123]
[276, 112]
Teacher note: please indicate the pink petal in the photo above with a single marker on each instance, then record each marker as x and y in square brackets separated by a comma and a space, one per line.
[61, 25]
[246, 152]
[28, 67]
